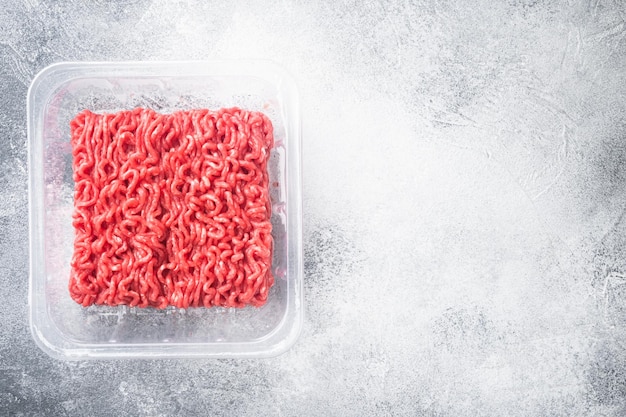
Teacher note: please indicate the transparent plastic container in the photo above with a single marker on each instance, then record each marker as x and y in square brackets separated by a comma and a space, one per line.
[66, 330]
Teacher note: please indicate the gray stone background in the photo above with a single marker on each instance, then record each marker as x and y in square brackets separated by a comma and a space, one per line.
[464, 199]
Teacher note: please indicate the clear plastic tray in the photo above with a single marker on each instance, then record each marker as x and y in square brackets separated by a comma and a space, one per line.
[66, 330]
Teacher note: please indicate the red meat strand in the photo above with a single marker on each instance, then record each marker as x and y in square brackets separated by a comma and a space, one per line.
[171, 209]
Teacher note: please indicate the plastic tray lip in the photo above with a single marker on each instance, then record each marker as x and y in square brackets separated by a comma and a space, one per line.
[41, 89]
[177, 67]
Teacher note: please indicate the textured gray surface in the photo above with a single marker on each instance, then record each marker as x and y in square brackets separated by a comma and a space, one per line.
[464, 200]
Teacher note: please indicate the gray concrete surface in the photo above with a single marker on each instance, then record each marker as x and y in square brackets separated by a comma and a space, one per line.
[464, 200]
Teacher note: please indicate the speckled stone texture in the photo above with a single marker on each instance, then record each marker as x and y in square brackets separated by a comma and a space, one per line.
[464, 197]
